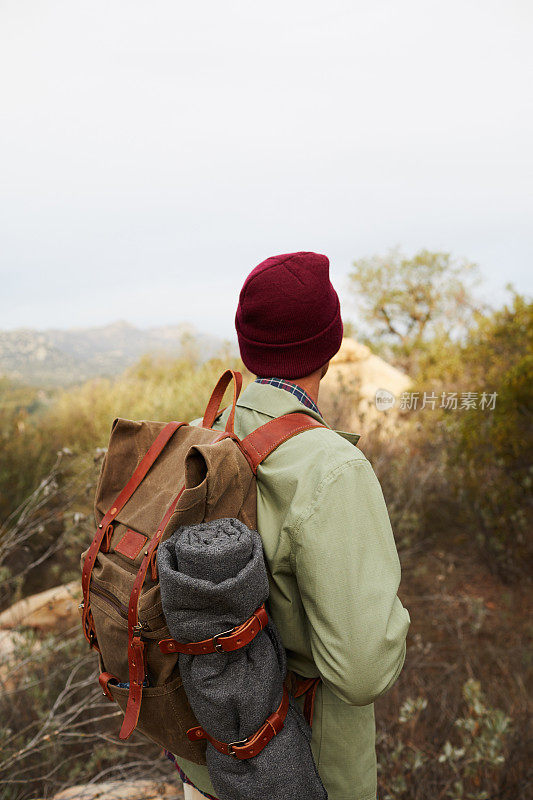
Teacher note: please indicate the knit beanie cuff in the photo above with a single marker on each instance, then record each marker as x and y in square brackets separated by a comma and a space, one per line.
[291, 359]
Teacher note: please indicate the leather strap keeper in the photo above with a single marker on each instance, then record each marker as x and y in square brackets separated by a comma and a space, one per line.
[252, 745]
[224, 642]
[104, 679]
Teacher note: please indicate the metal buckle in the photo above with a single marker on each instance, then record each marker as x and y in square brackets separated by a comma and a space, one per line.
[216, 644]
[231, 745]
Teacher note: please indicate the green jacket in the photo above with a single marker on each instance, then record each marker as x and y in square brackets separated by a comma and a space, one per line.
[333, 573]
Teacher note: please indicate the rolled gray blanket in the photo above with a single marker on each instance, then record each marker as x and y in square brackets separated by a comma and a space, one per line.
[212, 578]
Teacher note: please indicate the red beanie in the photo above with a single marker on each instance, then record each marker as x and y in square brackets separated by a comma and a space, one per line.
[288, 319]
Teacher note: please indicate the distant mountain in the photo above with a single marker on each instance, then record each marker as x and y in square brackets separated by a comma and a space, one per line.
[63, 357]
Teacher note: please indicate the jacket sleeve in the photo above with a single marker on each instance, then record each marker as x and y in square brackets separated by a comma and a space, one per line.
[345, 561]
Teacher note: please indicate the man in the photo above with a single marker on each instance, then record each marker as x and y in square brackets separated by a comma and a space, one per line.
[332, 561]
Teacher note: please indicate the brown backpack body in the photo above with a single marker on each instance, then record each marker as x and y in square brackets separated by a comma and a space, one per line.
[156, 477]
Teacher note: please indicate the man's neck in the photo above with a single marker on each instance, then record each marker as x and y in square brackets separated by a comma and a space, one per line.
[310, 384]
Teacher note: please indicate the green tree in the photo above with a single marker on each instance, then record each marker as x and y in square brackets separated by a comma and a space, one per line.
[409, 304]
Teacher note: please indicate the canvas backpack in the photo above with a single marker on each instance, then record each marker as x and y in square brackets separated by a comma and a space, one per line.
[154, 478]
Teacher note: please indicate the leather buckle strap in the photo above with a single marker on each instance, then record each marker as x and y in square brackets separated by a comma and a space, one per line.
[308, 687]
[252, 745]
[135, 645]
[265, 439]
[299, 686]
[104, 532]
[309, 702]
[219, 645]
[231, 745]
[224, 642]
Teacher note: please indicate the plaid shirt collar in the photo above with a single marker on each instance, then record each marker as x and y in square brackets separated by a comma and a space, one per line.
[294, 389]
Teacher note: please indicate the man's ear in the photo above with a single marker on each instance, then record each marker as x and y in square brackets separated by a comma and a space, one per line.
[324, 369]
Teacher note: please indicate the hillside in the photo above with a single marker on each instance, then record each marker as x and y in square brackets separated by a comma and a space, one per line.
[63, 357]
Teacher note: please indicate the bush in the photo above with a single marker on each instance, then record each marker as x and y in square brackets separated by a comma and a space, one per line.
[462, 477]
[490, 452]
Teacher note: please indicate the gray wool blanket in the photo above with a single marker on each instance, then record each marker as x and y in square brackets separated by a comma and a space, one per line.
[213, 577]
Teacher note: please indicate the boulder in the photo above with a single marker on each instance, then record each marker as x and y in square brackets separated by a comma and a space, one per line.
[11, 643]
[348, 390]
[123, 790]
[52, 610]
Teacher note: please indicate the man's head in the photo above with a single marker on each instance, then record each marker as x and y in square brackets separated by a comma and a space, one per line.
[288, 319]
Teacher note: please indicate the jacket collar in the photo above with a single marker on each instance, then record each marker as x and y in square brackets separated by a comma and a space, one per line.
[274, 402]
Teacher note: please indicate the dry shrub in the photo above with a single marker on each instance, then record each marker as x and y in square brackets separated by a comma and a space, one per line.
[57, 728]
[456, 724]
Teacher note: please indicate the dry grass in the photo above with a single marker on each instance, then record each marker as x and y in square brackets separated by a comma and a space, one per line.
[454, 727]
[467, 626]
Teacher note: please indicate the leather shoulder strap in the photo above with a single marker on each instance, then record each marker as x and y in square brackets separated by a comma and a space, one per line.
[215, 400]
[264, 440]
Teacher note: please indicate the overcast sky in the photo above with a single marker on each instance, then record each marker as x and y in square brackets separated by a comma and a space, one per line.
[153, 151]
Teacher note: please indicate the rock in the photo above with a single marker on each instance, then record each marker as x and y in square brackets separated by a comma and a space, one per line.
[10, 644]
[53, 609]
[348, 390]
[123, 790]
[10, 641]
[351, 352]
